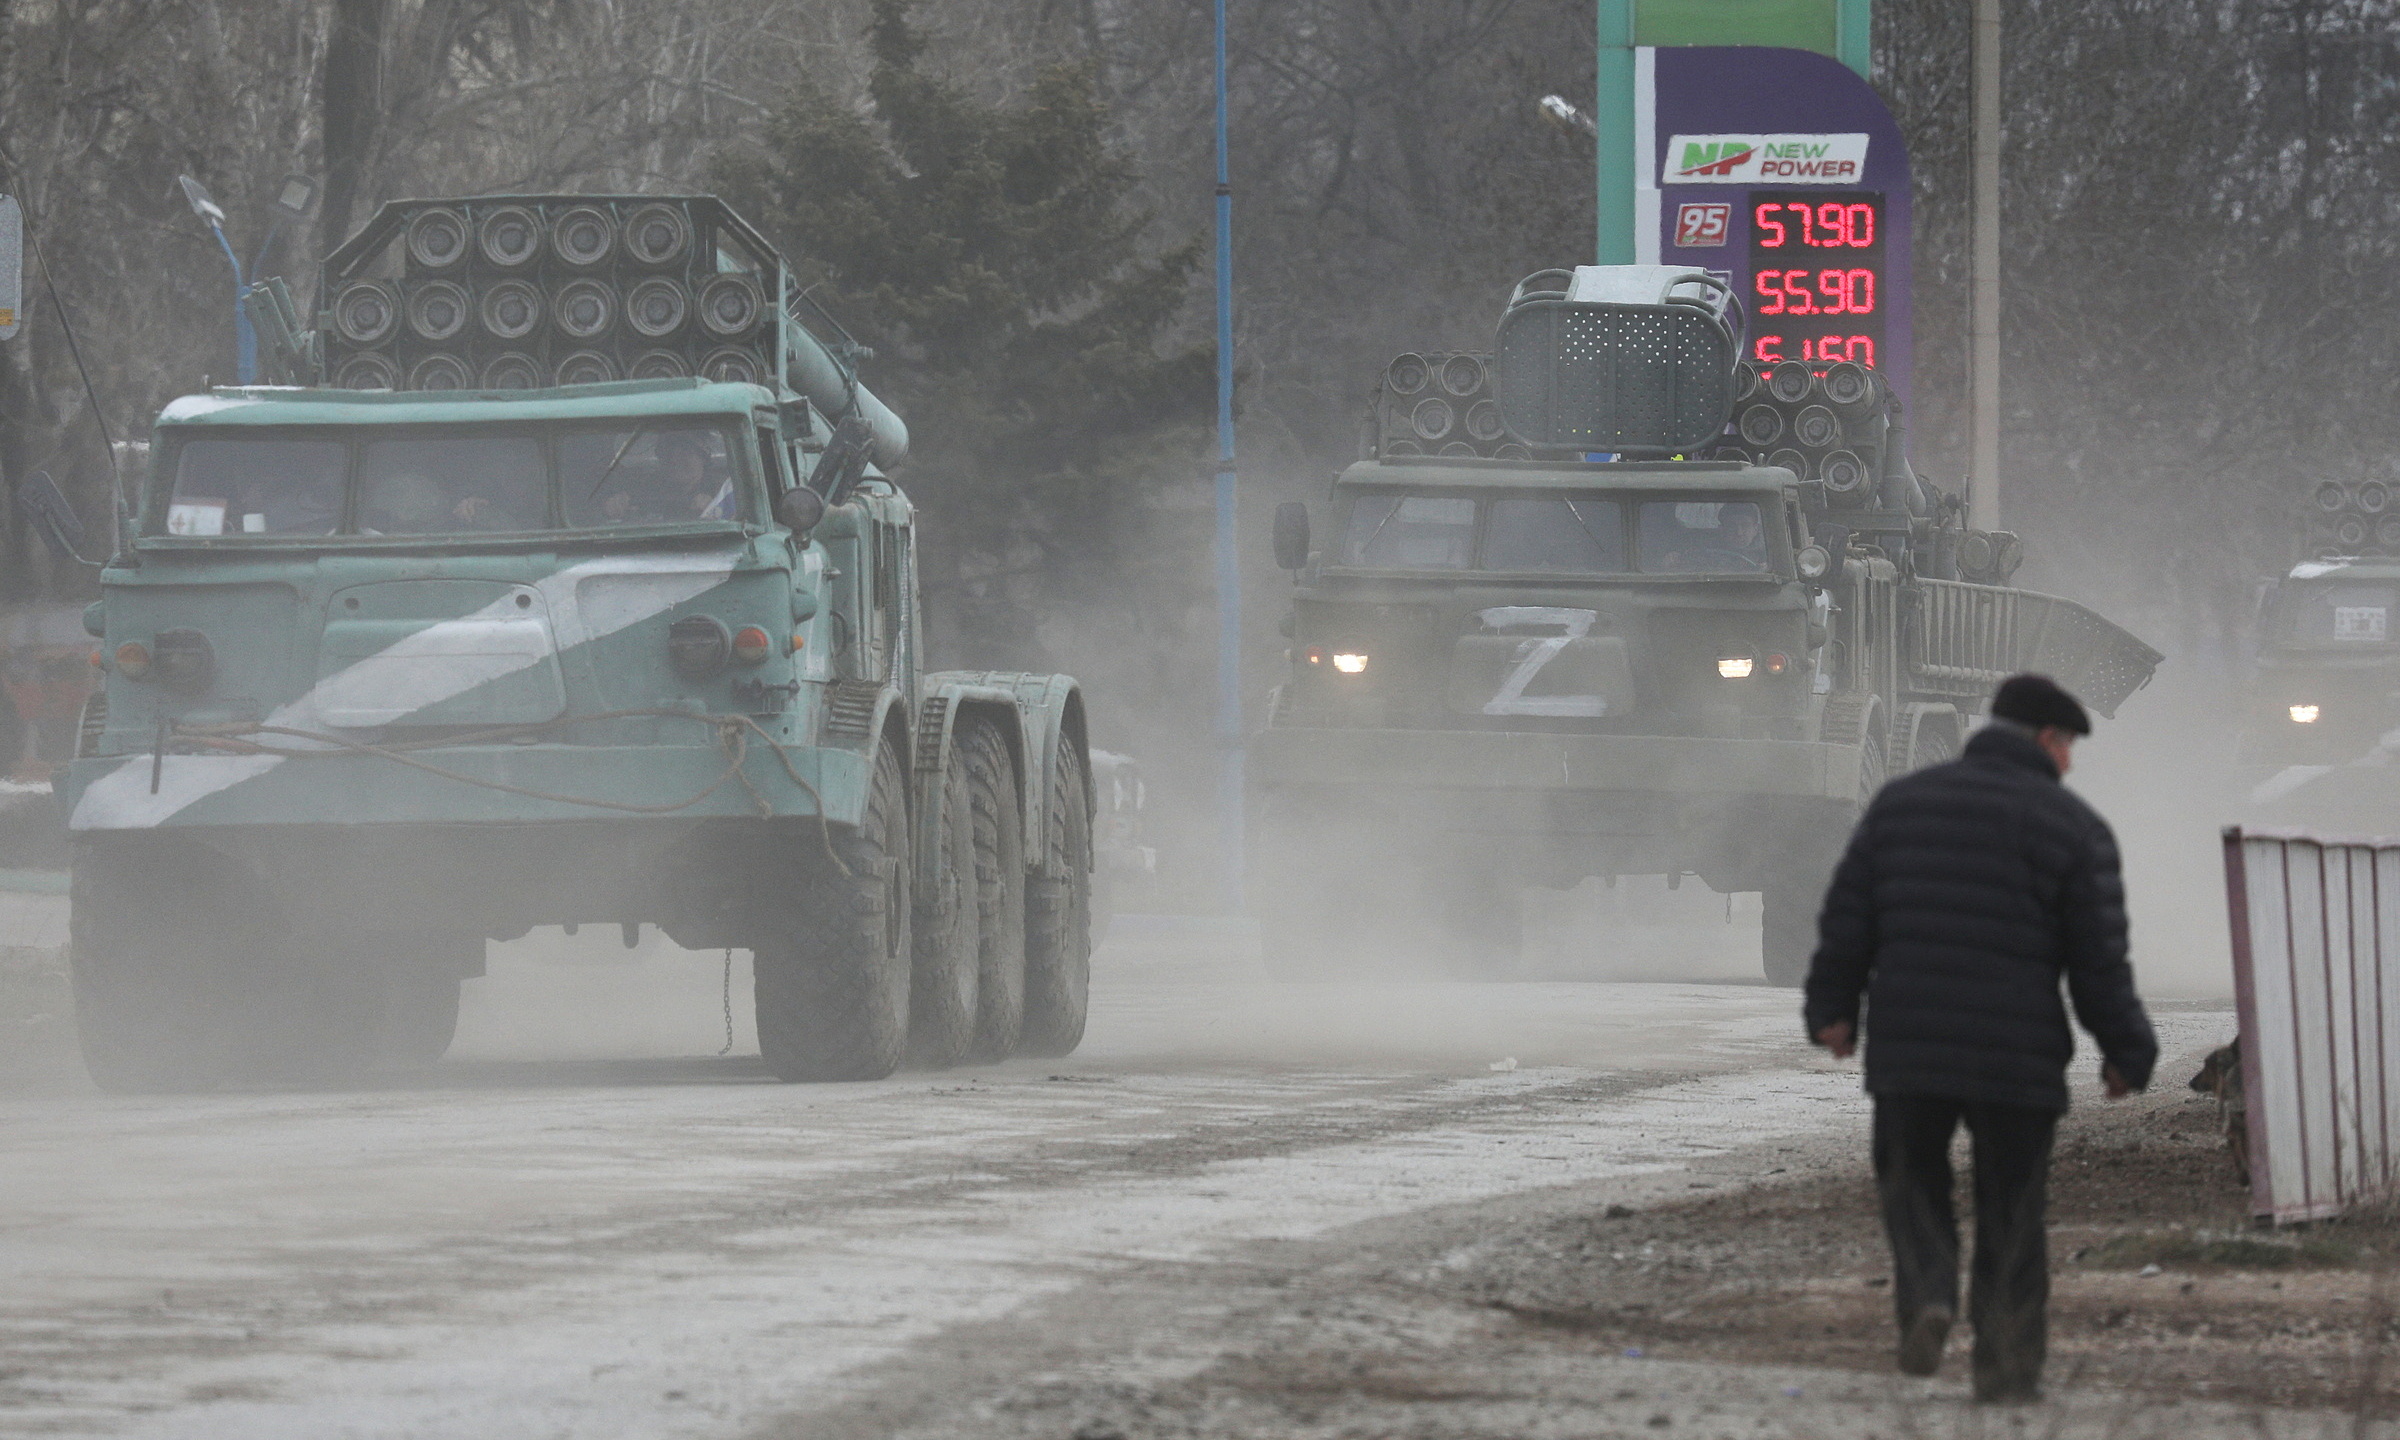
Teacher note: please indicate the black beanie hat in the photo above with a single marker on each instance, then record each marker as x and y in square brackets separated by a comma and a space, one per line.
[2038, 701]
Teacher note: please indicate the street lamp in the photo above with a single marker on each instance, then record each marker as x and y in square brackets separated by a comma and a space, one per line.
[1228, 563]
[293, 200]
[1568, 119]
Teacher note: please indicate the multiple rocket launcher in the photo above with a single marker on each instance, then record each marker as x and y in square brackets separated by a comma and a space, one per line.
[513, 293]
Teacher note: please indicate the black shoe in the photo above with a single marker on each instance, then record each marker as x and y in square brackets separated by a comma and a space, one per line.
[1921, 1341]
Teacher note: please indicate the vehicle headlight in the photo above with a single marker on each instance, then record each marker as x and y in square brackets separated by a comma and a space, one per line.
[184, 659]
[2304, 714]
[1350, 662]
[1813, 562]
[698, 646]
[1735, 667]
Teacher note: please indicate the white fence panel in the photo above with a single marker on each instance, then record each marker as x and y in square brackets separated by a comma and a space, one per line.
[2316, 969]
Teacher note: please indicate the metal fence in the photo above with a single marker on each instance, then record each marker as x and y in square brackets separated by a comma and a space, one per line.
[2316, 974]
[1964, 639]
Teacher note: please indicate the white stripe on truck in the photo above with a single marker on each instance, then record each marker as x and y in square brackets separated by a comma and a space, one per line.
[122, 799]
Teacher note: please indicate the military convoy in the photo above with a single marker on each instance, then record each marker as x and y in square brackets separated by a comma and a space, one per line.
[556, 581]
[1607, 601]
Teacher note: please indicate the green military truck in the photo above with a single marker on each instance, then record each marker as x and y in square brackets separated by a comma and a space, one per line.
[578, 596]
[1540, 645]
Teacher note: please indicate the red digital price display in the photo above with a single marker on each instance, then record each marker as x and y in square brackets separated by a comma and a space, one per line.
[1816, 275]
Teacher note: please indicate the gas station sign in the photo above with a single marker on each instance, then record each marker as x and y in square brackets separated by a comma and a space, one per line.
[1782, 172]
[1817, 284]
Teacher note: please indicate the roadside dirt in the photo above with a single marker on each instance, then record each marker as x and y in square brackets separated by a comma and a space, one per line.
[1797, 1274]
[1745, 1295]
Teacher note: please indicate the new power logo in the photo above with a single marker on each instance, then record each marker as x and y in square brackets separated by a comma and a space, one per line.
[1765, 160]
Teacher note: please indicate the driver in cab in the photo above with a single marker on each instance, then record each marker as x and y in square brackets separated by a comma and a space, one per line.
[1735, 541]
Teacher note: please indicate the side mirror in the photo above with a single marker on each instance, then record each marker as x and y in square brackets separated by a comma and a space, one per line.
[844, 462]
[800, 509]
[1291, 536]
[52, 517]
[797, 421]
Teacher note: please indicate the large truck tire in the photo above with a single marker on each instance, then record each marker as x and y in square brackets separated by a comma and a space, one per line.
[942, 1002]
[1321, 895]
[833, 975]
[144, 1015]
[416, 998]
[1058, 918]
[1788, 904]
[999, 834]
[183, 980]
[419, 1019]
[1480, 919]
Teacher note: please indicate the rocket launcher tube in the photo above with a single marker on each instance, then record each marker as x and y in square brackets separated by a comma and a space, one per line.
[810, 369]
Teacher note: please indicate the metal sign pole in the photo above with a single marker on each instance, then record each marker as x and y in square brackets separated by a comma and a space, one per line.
[1983, 469]
[12, 266]
[1612, 121]
[1229, 570]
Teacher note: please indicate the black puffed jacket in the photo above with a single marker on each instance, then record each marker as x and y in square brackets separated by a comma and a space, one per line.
[1967, 892]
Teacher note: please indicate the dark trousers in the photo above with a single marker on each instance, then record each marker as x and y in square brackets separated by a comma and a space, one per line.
[2009, 1301]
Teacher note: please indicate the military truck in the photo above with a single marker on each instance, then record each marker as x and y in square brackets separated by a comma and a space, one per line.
[2324, 681]
[1605, 601]
[557, 581]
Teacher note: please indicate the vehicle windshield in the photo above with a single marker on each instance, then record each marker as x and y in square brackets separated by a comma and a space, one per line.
[1702, 537]
[1579, 533]
[481, 482]
[1410, 532]
[2338, 614]
[1564, 535]
[258, 487]
[645, 477]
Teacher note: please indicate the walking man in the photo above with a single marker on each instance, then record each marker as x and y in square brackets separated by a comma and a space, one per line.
[1968, 892]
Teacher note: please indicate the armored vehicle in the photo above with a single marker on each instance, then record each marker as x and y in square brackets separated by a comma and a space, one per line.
[1540, 644]
[579, 595]
[2324, 683]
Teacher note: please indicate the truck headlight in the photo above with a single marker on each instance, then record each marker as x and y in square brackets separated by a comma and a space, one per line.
[1735, 667]
[2304, 714]
[1813, 562]
[1350, 662]
[698, 646]
[184, 659]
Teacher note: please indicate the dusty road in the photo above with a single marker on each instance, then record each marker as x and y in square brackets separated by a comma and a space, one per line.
[583, 1230]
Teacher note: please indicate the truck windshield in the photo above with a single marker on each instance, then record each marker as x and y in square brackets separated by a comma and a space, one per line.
[484, 482]
[1564, 535]
[1410, 532]
[257, 487]
[1581, 533]
[1711, 537]
[451, 486]
[2338, 614]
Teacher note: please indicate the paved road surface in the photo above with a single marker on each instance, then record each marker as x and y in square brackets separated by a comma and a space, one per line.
[597, 1228]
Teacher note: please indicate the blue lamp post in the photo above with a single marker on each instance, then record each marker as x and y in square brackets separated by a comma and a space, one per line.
[294, 200]
[1228, 563]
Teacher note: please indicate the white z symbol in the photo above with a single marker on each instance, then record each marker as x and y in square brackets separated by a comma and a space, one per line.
[1532, 655]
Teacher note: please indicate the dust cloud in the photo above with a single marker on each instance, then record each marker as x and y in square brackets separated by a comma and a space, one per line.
[2163, 775]
[555, 996]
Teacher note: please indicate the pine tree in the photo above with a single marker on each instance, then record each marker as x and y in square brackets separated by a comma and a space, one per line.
[994, 258]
